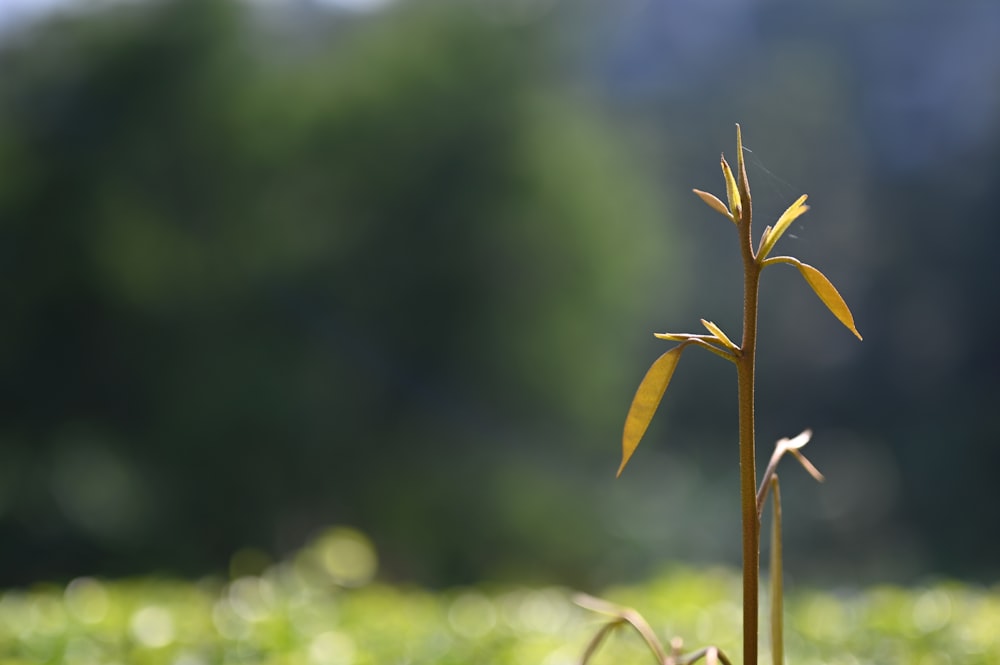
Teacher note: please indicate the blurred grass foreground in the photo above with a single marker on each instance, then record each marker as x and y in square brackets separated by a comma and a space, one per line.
[322, 607]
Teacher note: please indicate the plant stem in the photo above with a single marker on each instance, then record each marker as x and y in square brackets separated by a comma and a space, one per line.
[748, 459]
[748, 473]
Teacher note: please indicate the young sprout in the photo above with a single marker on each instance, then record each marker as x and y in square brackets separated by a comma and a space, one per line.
[738, 210]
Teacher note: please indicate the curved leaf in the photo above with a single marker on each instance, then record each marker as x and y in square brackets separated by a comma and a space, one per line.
[828, 293]
[763, 241]
[719, 335]
[714, 203]
[707, 342]
[732, 191]
[793, 212]
[647, 399]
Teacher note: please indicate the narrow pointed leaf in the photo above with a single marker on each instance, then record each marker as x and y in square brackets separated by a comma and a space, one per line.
[599, 605]
[828, 293]
[763, 241]
[807, 465]
[714, 203]
[721, 336]
[793, 212]
[647, 399]
[675, 337]
[707, 342]
[741, 172]
[732, 191]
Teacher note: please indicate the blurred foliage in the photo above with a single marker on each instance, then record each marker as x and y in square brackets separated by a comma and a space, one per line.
[253, 288]
[266, 270]
[304, 610]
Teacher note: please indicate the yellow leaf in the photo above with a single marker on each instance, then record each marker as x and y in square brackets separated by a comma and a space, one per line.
[674, 337]
[790, 215]
[647, 399]
[732, 191]
[828, 293]
[714, 203]
[721, 336]
[763, 241]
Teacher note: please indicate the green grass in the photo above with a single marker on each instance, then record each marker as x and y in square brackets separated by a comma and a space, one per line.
[296, 612]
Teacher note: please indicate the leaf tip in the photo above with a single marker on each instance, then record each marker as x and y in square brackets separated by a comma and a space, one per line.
[626, 456]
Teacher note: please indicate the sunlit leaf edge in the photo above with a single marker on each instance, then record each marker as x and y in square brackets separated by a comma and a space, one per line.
[647, 398]
[824, 289]
[732, 191]
[714, 203]
[719, 335]
[792, 213]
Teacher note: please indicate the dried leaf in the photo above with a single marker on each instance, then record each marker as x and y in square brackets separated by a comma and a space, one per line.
[797, 442]
[597, 640]
[829, 295]
[594, 604]
[793, 212]
[807, 465]
[624, 615]
[785, 445]
[714, 203]
[647, 399]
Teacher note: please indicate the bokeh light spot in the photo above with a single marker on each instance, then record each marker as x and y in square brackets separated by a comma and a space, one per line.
[87, 600]
[332, 648]
[472, 615]
[932, 611]
[252, 598]
[821, 618]
[187, 658]
[347, 556]
[229, 624]
[540, 610]
[153, 627]
[48, 615]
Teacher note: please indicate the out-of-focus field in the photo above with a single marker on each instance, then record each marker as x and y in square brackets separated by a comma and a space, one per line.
[322, 607]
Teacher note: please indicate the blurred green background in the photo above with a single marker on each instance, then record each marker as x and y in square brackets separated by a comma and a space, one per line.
[268, 267]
